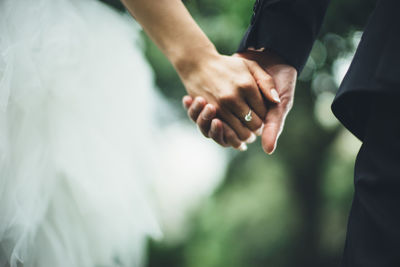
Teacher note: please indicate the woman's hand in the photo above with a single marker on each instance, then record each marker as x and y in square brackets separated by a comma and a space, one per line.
[231, 85]
[285, 79]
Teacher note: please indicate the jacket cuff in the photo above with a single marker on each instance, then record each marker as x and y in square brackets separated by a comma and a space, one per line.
[285, 29]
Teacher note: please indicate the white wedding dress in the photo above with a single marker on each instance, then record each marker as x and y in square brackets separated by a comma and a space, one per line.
[77, 136]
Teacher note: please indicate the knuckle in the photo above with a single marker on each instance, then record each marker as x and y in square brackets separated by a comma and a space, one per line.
[245, 83]
[287, 102]
[290, 104]
[227, 99]
[266, 79]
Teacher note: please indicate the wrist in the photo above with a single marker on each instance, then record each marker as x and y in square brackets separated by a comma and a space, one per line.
[192, 58]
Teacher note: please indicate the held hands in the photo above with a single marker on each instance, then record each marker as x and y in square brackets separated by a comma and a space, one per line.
[232, 86]
[283, 79]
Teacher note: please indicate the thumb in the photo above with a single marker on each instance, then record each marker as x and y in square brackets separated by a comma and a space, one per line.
[264, 81]
[273, 126]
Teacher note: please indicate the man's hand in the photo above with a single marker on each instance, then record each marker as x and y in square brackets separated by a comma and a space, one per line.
[284, 77]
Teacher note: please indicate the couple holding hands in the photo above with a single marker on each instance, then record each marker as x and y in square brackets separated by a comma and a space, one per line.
[233, 98]
[70, 84]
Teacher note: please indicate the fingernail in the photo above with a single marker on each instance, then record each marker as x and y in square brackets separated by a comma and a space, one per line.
[275, 95]
[272, 151]
[260, 130]
[207, 114]
[243, 147]
[251, 139]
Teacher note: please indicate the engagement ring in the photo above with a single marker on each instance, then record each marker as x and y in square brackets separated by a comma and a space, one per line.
[248, 116]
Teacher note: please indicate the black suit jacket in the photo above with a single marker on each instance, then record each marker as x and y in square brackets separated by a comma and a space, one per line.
[290, 27]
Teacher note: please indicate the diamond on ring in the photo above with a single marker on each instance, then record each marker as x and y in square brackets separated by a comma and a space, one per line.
[248, 116]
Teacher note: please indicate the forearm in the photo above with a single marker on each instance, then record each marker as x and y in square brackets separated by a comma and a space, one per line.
[171, 27]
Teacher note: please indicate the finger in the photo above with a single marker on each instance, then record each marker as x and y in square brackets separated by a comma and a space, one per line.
[237, 126]
[252, 94]
[204, 119]
[196, 108]
[274, 123]
[256, 102]
[264, 81]
[232, 139]
[187, 101]
[241, 110]
[216, 132]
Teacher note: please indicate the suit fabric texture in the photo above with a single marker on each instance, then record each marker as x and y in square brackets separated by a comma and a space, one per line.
[366, 103]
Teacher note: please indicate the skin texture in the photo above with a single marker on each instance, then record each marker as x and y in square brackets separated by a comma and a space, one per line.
[284, 77]
[230, 84]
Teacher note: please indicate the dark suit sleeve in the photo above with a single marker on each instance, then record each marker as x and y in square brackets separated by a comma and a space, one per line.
[286, 27]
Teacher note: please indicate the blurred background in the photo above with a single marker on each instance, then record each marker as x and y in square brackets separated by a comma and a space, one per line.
[288, 209]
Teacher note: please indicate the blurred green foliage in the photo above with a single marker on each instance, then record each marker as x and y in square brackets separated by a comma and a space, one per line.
[289, 209]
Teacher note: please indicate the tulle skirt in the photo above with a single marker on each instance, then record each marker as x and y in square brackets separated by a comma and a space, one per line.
[76, 151]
